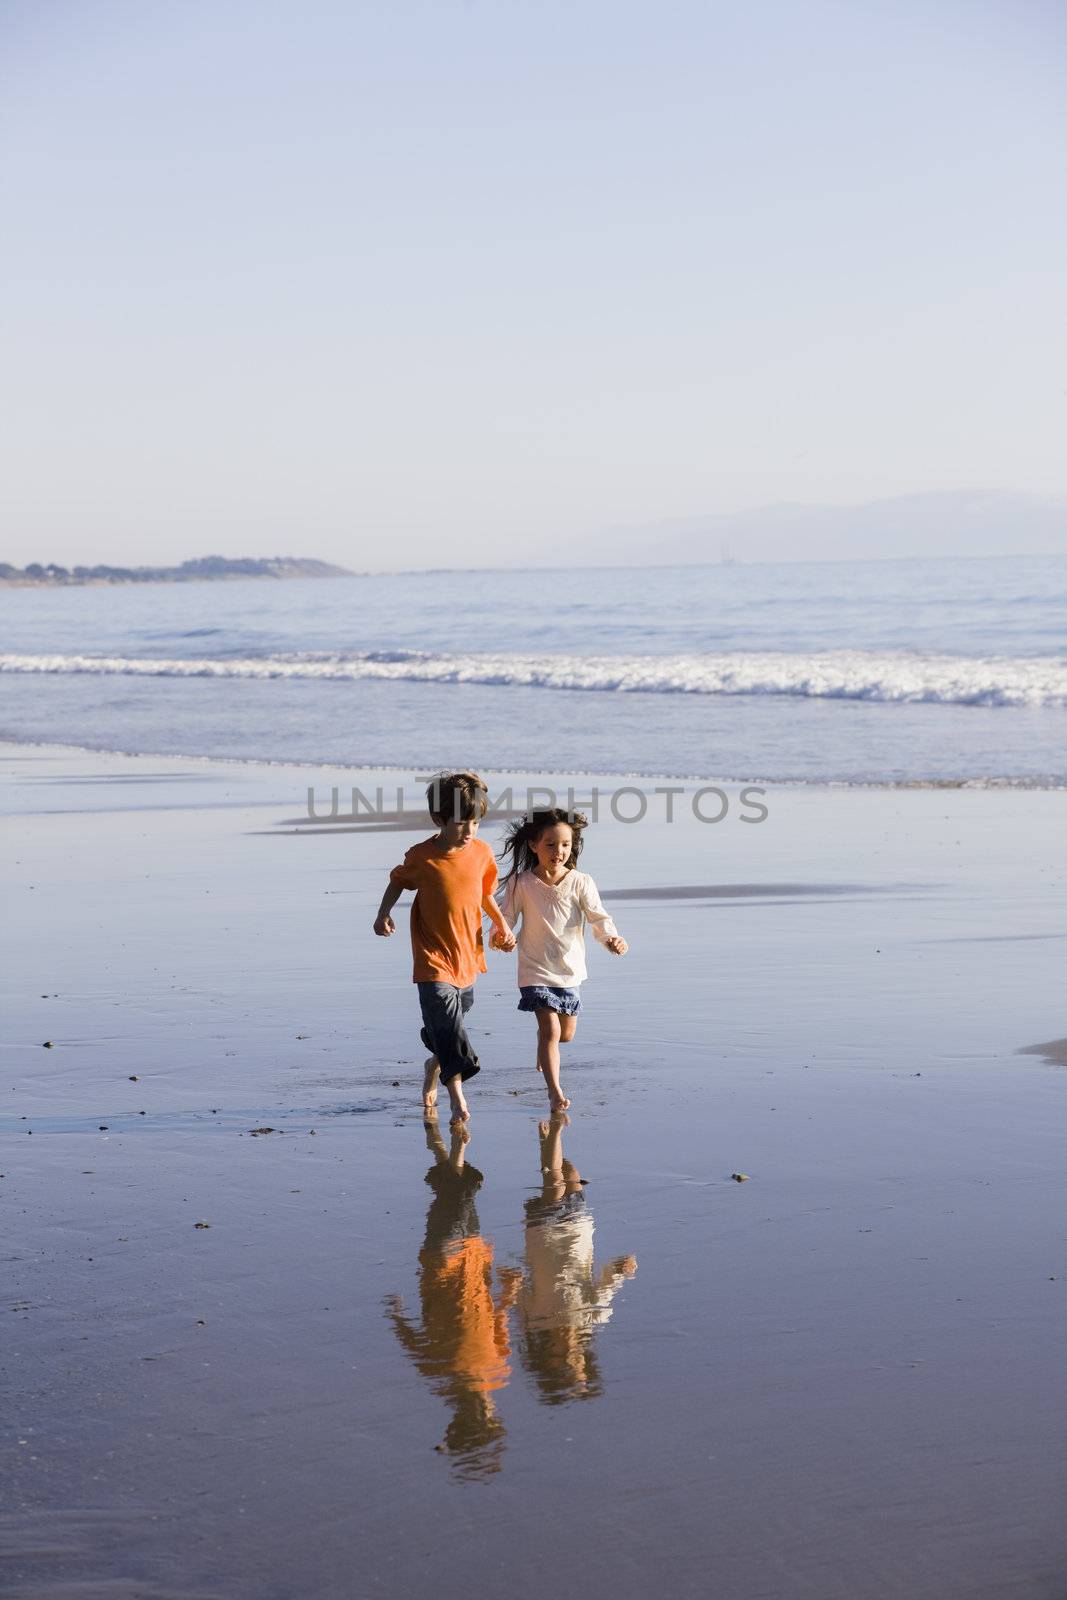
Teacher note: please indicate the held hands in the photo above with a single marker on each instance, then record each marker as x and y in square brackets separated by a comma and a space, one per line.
[384, 926]
[617, 945]
[502, 941]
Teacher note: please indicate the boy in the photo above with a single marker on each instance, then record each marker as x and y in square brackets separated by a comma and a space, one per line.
[453, 876]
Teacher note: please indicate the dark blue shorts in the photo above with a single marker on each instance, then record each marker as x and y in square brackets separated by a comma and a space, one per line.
[444, 1032]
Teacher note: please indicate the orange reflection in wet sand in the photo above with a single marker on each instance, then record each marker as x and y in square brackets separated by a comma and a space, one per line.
[462, 1340]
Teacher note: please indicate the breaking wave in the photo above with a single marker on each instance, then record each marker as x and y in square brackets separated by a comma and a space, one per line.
[902, 677]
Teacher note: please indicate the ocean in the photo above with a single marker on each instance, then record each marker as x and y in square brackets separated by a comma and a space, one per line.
[887, 672]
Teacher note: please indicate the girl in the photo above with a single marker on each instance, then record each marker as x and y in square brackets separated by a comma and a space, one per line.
[543, 886]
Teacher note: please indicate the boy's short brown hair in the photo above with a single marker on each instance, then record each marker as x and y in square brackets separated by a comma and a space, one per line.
[457, 797]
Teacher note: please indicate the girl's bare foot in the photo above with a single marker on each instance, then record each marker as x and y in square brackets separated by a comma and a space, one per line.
[429, 1084]
[558, 1103]
[460, 1111]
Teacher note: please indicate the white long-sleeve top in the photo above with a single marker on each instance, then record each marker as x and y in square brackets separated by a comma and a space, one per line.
[551, 938]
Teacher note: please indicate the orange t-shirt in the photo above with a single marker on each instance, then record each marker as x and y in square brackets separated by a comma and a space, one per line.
[466, 1334]
[446, 918]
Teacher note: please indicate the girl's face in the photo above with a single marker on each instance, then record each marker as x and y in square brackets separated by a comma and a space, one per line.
[553, 847]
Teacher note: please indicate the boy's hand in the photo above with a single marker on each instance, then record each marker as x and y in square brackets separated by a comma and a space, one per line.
[617, 945]
[384, 926]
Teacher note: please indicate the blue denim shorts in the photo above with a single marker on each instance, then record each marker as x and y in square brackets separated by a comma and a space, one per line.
[539, 997]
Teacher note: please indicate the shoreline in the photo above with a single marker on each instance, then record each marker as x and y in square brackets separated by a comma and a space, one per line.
[1047, 785]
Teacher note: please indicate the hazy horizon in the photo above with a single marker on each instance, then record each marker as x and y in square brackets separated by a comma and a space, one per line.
[755, 536]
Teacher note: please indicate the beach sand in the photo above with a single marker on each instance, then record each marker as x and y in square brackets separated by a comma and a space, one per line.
[841, 1378]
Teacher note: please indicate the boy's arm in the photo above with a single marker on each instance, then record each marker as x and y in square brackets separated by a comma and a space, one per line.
[403, 877]
[383, 922]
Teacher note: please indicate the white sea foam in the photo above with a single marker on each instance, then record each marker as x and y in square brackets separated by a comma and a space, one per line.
[892, 677]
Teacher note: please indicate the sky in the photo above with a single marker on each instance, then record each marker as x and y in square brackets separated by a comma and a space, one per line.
[433, 283]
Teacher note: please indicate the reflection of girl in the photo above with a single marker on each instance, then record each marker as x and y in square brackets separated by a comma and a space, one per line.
[462, 1345]
[563, 1299]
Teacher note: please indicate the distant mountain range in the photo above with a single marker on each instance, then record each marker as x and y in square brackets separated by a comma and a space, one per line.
[952, 523]
[203, 569]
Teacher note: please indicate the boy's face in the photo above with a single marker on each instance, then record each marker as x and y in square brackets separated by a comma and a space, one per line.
[457, 832]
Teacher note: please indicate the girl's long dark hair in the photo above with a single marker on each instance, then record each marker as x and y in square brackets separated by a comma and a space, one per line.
[518, 851]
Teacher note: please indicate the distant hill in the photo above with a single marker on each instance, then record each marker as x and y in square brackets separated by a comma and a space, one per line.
[952, 523]
[202, 569]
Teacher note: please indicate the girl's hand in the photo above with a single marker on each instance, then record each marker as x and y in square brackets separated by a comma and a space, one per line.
[384, 926]
[617, 945]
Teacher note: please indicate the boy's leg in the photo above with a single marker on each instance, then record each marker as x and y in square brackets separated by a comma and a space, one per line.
[443, 1009]
[432, 1065]
[548, 1031]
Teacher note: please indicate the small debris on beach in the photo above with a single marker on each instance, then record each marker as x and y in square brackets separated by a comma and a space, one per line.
[48, 1045]
[134, 1078]
[739, 1177]
[255, 1132]
[104, 1127]
[201, 1224]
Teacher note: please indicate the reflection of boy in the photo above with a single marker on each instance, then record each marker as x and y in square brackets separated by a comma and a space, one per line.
[453, 876]
[462, 1344]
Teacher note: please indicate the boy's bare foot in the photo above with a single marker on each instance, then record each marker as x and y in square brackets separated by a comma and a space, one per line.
[460, 1110]
[429, 1084]
[460, 1136]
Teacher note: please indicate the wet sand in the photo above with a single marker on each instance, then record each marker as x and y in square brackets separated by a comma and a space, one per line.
[386, 1365]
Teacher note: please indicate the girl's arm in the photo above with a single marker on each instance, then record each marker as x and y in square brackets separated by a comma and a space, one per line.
[509, 909]
[604, 930]
[505, 939]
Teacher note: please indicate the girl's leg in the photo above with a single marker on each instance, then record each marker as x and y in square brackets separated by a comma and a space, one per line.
[548, 1033]
[567, 1026]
